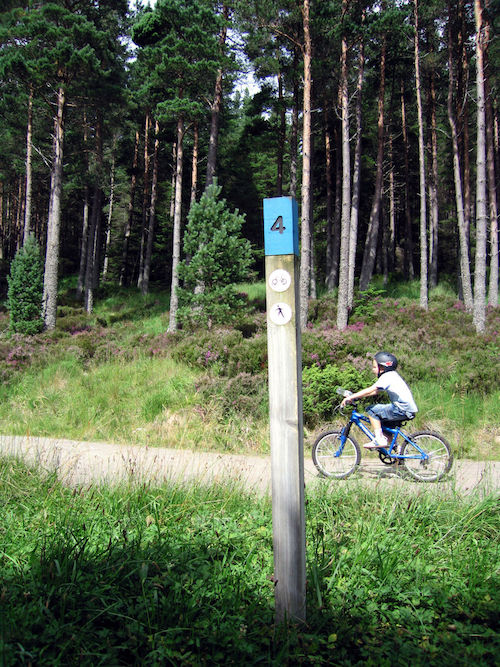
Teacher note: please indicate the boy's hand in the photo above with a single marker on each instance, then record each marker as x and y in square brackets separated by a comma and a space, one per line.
[345, 401]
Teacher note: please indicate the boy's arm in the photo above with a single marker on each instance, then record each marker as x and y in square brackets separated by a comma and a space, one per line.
[363, 393]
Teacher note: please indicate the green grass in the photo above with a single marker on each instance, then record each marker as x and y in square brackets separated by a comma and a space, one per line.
[117, 375]
[182, 576]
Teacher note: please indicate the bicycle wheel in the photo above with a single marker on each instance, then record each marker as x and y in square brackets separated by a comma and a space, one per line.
[333, 460]
[439, 454]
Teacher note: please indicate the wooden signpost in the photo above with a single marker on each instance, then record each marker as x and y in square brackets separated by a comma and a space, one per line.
[281, 242]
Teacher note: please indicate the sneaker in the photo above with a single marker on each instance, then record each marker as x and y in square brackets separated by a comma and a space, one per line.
[379, 441]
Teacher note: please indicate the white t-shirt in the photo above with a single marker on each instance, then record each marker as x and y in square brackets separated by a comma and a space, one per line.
[399, 392]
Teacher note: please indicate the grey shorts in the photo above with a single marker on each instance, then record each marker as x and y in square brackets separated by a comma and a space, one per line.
[387, 412]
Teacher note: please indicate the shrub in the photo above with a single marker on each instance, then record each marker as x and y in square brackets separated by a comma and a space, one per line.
[25, 293]
[218, 257]
[320, 389]
[244, 394]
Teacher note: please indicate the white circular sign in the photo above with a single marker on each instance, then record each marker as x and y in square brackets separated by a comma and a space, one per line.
[281, 313]
[279, 280]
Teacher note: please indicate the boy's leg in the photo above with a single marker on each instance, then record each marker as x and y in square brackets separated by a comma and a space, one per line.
[380, 439]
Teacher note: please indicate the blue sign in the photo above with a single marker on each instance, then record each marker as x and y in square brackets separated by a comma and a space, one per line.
[281, 229]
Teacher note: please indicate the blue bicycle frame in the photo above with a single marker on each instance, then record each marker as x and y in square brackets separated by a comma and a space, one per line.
[359, 419]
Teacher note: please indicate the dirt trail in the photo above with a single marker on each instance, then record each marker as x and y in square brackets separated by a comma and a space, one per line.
[81, 463]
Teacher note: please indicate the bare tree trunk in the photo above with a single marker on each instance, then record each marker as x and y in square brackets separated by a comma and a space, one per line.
[329, 280]
[130, 217]
[356, 175]
[490, 158]
[391, 231]
[433, 188]
[29, 151]
[92, 268]
[294, 130]
[343, 294]
[152, 215]
[373, 224]
[172, 182]
[281, 137]
[50, 280]
[176, 252]
[216, 105]
[145, 199]
[85, 223]
[462, 227]
[424, 296]
[463, 115]
[479, 316]
[305, 255]
[194, 165]
[408, 246]
[110, 215]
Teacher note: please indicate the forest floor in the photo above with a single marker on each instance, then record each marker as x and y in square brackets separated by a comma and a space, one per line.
[85, 463]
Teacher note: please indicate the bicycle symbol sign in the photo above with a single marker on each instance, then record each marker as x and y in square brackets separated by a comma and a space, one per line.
[280, 280]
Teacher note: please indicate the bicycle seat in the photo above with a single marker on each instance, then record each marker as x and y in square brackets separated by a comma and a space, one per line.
[396, 423]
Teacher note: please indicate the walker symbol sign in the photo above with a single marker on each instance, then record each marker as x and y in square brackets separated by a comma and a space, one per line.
[281, 313]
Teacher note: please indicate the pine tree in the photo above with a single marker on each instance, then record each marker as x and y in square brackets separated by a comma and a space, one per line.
[219, 257]
[24, 299]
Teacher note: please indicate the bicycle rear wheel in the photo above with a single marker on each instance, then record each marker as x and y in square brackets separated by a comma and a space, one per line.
[439, 454]
[334, 460]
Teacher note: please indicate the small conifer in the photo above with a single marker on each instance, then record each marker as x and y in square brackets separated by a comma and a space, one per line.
[25, 293]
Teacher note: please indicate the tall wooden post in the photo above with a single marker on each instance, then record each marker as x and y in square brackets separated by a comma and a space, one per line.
[285, 406]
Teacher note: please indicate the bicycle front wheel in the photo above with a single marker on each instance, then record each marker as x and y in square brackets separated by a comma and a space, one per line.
[432, 467]
[333, 459]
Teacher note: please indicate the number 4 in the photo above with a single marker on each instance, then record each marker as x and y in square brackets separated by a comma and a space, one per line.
[278, 225]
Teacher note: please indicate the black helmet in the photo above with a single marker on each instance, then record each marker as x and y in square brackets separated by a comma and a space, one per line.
[386, 362]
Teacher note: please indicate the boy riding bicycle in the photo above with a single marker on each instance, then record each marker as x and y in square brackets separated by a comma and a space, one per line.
[402, 404]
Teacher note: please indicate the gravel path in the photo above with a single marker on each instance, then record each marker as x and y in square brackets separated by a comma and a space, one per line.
[83, 463]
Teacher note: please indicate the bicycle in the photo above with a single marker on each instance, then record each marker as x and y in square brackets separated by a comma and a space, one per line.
[425, 455]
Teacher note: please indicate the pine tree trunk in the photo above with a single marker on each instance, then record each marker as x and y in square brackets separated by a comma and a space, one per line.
[110, 215]
[152, 215]
[194, 165]
[343, 294]
[50, 280]
[29, 151]
[479, 316]
[370, 251]
[356, 175]
[391, 231]
[294, 130]
[176, 251]
[85, 223]
[281, 137]
[433, 188]
[93, 251]
[172, 180]
[305, 255]
[130, 217]
[463, 111]
[409, 271]
[490, 159]
[145, 200]
[329, 206]
[215, 111]
[462, 226]
[424, 297]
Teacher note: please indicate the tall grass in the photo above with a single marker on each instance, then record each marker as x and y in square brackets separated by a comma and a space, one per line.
[176, 576]
[117, 375]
